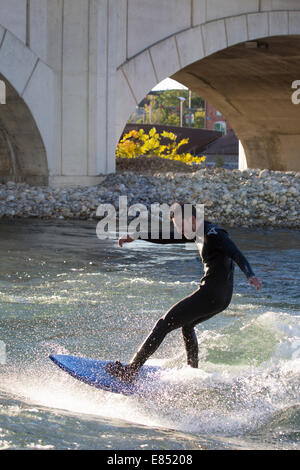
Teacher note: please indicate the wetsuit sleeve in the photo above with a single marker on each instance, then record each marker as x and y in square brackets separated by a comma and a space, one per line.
[231, 250]
[161, 238]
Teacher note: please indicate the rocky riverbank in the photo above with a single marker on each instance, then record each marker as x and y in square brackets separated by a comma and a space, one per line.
[232, 197]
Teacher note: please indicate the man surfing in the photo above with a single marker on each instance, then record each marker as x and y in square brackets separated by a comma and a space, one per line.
[217, 252]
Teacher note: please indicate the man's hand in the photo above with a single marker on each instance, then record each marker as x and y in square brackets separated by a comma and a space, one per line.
[125, 239]
[254, 281]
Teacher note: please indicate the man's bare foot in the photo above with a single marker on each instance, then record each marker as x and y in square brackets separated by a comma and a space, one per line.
[126, 373]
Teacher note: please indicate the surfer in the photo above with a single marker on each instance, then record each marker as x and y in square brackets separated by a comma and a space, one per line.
[218, 252]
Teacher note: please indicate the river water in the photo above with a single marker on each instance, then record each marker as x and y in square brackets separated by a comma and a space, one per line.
[64, 291]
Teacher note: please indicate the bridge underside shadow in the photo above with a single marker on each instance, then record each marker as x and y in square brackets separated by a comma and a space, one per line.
[250, 83]
[22, 151]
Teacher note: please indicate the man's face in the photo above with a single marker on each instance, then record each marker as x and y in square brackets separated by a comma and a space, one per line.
[185, 226]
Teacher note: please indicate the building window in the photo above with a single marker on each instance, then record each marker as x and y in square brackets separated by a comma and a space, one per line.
[220, 126]
[218, 113]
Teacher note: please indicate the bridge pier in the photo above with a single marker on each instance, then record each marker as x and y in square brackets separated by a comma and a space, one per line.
[59, 58]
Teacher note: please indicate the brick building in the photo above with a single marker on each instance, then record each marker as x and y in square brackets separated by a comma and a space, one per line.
[214, 120]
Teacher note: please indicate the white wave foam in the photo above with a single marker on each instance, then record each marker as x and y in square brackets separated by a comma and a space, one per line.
[219, 397]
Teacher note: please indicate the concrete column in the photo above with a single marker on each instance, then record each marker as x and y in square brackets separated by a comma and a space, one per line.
[44, 31]
[103, 139]
[242, 157]
[75, 87]
[43, 92]
[13, 17]
[273, 151]
[88, 69]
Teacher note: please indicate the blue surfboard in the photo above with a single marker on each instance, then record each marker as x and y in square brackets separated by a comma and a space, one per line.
[92, 372]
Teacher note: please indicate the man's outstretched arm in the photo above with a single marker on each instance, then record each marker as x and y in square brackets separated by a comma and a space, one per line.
[231, 250]
[159, 237]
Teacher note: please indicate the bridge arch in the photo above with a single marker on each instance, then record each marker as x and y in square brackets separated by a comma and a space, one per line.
[28, 148]
[244, 65]
[22, 151]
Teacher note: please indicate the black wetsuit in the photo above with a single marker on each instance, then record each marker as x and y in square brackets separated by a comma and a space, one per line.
[212, 296]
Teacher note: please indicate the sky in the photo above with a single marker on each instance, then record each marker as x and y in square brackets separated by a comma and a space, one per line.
[169, 84]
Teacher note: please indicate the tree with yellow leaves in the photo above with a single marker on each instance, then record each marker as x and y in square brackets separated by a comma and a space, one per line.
[138, 143]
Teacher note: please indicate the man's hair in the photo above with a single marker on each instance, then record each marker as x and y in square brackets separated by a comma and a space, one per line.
[183, 210]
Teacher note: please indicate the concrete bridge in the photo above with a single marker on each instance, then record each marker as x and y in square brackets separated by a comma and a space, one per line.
[76, 69]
